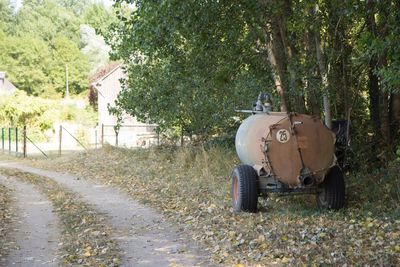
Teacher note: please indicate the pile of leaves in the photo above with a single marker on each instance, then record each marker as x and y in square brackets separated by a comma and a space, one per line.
[85, 238]
[5, 221]
[191, 186]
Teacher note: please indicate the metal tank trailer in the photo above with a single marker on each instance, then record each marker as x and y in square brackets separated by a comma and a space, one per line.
[285, 153]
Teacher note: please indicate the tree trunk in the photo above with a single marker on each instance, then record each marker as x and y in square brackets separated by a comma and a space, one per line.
[276, 52]
[277, 65]
[324, 77]
[295, 83]
[373, 80]
[313, 103]
[395, 99]
[385, 125]
[373, 90]
[395, 115]
[345, 86]
[312, 100]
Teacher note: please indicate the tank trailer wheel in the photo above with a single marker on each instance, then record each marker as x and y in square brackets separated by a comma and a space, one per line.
[331, 192]
[244, 191]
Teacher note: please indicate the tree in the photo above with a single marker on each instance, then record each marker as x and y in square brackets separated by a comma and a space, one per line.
[342, 60]
[46, 20]
[27, 61]
[76, 6]
[39, 70]
[65, 52]
[186, 77]
[5, 15]
[98, 16]
[94, 48]
[45, 37]
[378, 52]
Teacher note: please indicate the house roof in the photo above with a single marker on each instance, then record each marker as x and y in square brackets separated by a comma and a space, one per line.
[6, 87]
[98, 81]
[109, 73]
[105, 71]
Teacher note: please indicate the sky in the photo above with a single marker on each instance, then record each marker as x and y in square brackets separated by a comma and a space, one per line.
[18, 3]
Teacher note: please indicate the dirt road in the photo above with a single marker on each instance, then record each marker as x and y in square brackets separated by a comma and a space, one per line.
[144, 236]
[36, 230]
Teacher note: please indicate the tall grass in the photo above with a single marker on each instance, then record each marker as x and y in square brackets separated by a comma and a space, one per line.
[190, 171]
[191, 185]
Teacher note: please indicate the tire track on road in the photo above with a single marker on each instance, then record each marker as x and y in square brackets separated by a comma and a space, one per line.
[36, 229]
[143, 234]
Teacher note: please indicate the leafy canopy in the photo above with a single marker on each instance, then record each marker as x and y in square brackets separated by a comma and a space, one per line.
[43, 36]
[187, 71]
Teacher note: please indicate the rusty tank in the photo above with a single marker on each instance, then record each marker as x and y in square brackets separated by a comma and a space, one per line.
[285, 153]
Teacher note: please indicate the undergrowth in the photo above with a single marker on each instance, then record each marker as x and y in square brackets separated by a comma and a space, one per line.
[191, 186]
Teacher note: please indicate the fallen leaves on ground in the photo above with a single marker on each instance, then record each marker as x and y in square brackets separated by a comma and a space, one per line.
[5, 222]
[191, 186]
[85, 237]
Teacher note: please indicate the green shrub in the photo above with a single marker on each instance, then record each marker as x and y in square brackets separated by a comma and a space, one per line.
[20, 109]
[39, 114]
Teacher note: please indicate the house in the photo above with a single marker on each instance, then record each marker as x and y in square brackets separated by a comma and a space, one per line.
[132, 133]
[6, 87]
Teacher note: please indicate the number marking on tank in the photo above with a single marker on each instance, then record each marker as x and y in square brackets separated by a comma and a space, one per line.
[283, 136]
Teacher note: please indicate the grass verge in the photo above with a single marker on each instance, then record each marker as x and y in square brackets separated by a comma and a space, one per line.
[191, 186]
[85, 238]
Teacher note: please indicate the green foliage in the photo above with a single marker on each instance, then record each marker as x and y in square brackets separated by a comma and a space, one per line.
[65, 52]
[40, 70]
[19, 55]
[42, 37]
[76, 6]
[5, 15]
[39, 114]
[118, 112]
[46, 20]
[82, 116]
[19, 110]
[191, 72]
[376, 192]
[98, 16]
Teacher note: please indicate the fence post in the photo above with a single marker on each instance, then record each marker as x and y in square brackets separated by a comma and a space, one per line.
[24, 140]
[9, 140]
[102, 134]
[95, 138]
[3, 133]
[60, 139]
[16, 140]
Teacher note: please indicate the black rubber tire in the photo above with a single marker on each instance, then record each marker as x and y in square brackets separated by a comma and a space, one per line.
[244, 191]
[331, 192]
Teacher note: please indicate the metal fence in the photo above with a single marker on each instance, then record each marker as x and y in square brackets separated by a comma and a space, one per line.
[135, 135]
[15, 141]
[19, 142]
[7, 137]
